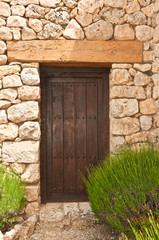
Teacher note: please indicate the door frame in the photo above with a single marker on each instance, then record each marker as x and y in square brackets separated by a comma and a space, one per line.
[47, 72]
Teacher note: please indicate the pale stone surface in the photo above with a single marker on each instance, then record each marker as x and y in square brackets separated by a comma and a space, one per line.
[101, 30]
[155, 65]
[73, 31]
[34, 11]
[54, 212]
[156, 50]
[125, 126]
[11, 81]
[30, 76]
[116, 3]
[124, 32]
[90, 6]
[123, 65]
[9, 69]
[3, 59]
[127, 92]
[148, 56]
[70, 208]
[59, 16]
[144, 3]
[49, 3]
[70, 3]
[23, 111]
[156, 34]
[29, 130]
[3, 116]
[132, 71]
[132, 7]
[24, 2]
[3, 47]
[18, 10]
[32, 193]
[28, 93]
[16, 21]
[149, 10]
[113, 15]
[137, 18]
[2, 22]
[8, 94]
[30, 65]
[137, 137]
[36, 24]
[115, 142]
[156, 92]
[142, 67]
[4, 9]
[32, 208]
[20, 152]
[16, 33]
[148, 106]
[8, 131]
[19, 168]
[155, 79]
[84, 18]
[5, 33]
[153, 135]
[120, 76]
[141, 79]
[123, 107]
[31, 174]
[146, 122]
[144, 33]
[28, 34]
[156, 119]
[4, 104]
[50, 31]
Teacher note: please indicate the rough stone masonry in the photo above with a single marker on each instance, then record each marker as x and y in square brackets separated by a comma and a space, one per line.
[134, 88]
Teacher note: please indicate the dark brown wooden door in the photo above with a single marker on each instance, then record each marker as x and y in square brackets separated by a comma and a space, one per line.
[75, 129]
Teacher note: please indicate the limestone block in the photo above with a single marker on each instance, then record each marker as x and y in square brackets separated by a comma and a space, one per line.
[113, 15]
[11, 81]
[30, 76]
[148, 106]
[148, 56]
[115, 3]
[32, 193]
[132, 7]
[4, 9]
[24, 2]
[137, 137]
[144, 3]
[115, 142]
[142, 67]
[29, 225]
[155, 79]
[3, 59]
[23, 111]
[156, 119]
[2, 22]
[155, 65]
[49, 3]
[141, 79]
[16, 33]
[3, 116]
[35, 11]
[153, 135]
[156, 6]
[30, 65]
[122, 66]
[146, 122]
[31, 174]
[127, 92]
[156, 34]
[21, 152]
[16, 21]
[156, 50]
[9, 69]
[8, 131]
[32, 208]
[101, 30]
[149, 10]
[4, 104]
[18, 167]
[73, 13]
[28, 34]
[29, 93]
[90, 6]
[36, 24]
[123, 107]
[124, 32]
[73, 31]
[5, 33]
[0, 84]
[3, 47]
[50, 31]
[84, 18]
[70, 208]
[18, 10]
[125, 126]
[144, 33]
[8, 94]
[132, 71]
[156, 92]
[58, 15]
[137, 18]
[120, 76]
[70, 3]
[29, 130]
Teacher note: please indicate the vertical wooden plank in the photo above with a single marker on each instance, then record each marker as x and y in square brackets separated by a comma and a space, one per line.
[69, 156]
[57, 138]
[80, 134]
[92, 116]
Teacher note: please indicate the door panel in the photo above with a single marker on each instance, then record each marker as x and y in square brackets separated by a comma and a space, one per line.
[76, 107]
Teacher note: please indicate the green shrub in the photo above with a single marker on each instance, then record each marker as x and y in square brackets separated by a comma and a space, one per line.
[125, 186]
[11, 196]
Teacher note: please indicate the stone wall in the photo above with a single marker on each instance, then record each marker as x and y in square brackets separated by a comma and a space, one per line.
[134, 88]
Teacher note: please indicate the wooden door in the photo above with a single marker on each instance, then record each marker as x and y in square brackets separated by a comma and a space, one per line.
[75, 129]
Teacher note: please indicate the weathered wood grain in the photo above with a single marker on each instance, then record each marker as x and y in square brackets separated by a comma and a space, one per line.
[69, 51]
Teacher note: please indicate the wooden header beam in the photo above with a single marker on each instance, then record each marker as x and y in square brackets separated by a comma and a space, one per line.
[75, 52]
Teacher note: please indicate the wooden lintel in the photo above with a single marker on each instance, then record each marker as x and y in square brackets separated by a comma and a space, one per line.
[74, 52]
